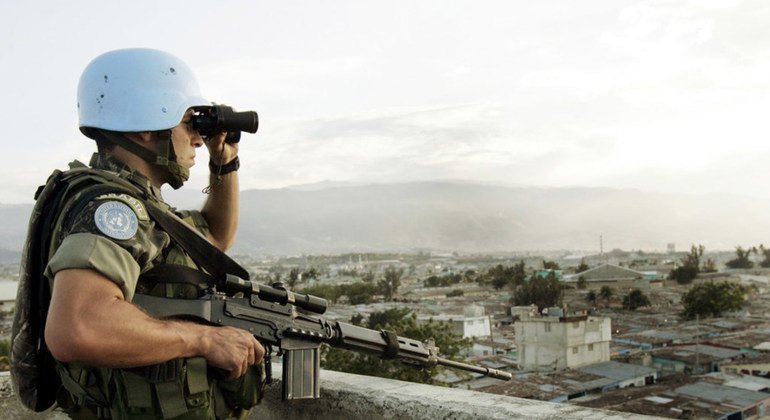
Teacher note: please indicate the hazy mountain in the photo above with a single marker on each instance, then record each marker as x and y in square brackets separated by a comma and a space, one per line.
[468, 217]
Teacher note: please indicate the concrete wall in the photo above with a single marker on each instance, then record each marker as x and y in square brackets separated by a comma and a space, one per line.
[346, 396]
[354, 397]
[477, 326]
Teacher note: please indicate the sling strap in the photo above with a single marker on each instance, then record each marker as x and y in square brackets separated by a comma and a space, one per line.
[204, 253]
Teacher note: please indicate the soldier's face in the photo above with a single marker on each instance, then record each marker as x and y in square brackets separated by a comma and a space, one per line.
[185, 141]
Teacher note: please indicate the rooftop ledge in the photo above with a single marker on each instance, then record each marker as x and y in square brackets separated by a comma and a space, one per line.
[348, 396]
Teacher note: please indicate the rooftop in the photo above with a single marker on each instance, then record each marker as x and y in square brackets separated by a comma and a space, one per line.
[722, 394]
[617, 371]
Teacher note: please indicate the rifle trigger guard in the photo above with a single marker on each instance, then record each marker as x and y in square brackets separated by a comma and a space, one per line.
[391, 342]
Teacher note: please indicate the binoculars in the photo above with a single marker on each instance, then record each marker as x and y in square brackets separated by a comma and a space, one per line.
[216, 119]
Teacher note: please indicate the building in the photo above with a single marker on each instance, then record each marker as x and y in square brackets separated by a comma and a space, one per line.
[612, 274]
[695, 358]
[622, 374]
[740, 403]
[472, 324]
[554, 343]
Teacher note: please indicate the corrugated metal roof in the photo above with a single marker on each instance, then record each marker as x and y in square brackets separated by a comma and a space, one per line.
[721, 394]
[751, 383]
[609, 272]
[617, 371]
[716, 352]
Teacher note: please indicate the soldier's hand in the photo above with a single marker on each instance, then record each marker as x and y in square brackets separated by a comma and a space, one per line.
[220, 151]
[231, 349]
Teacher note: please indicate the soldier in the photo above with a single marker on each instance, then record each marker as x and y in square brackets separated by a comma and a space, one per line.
[115, 361]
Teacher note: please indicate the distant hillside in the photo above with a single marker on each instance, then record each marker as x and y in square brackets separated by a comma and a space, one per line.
[467, 217]
[475, 218]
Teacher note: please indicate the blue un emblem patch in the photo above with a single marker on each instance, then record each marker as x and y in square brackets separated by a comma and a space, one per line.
[116, 220]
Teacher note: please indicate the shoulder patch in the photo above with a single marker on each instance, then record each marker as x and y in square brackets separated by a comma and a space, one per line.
[116, 220]
[136, 205]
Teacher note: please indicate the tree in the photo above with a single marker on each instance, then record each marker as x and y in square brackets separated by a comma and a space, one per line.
[455, 292]
[368, 277]
[591, 297]
[742, 258]
[501, 276]
[606, 293]
[312, 273]
[582, 283]
[541, 291]
[690, 267]
[550, 265]
[709, 266]
[713, 299]
[765, 256]
[404, 323]
[519, 273]
[391, 281]
[293, 278]
[582, 267]
[357, 293]
[635, 299]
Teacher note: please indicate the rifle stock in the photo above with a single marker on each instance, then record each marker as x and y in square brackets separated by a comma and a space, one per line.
[283, 319]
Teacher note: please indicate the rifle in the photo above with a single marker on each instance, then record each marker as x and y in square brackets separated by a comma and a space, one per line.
[292, 322]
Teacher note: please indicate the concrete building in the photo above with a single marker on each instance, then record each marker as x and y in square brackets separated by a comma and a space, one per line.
[553, 343]
[473, 323]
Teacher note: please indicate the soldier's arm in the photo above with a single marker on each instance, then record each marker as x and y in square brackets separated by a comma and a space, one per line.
[221, 209]
[89, 321]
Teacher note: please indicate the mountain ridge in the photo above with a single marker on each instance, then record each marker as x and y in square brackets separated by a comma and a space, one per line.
[469, 217]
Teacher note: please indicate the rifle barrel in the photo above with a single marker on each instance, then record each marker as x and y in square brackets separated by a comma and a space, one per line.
[493, 373]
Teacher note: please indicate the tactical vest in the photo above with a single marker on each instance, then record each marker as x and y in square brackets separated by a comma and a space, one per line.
[181, 388]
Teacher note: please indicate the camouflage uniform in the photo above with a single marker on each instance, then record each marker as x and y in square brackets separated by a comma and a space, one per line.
[176, 389]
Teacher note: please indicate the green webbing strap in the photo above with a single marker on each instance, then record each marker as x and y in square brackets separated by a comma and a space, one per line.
[171, 398]
[77, 388]
[146, 154]
[138, 390]
[165, 156]
[203, 252]
[197, 378]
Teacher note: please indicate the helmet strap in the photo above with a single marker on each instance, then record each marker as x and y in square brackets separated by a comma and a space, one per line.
[165, 157]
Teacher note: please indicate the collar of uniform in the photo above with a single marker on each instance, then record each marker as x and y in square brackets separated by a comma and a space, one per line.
[112, 164]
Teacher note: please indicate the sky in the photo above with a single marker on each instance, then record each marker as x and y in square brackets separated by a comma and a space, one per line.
[665, 96]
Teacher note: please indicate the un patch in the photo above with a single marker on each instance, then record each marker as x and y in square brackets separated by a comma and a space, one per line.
[116, 220]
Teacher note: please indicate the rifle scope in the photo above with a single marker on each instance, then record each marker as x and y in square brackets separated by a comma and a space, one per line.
[210, 121]
[280, 295]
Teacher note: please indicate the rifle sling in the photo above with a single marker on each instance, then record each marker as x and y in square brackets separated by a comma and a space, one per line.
[391, 341]
[203, 252]
[173, 273]
[211, 258]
